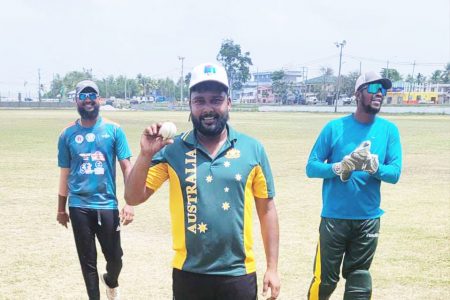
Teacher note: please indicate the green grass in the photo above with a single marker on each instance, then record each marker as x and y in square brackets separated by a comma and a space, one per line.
[39, 259]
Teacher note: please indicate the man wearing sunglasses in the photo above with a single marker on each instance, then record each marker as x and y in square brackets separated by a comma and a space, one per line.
[353, 155]
[87, 152]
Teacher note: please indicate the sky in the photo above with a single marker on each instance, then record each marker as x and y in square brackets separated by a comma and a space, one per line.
[118, 37]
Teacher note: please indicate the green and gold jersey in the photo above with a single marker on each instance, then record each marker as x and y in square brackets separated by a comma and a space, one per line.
[211, 201]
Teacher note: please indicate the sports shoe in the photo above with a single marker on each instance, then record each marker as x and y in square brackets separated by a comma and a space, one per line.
[111, 293]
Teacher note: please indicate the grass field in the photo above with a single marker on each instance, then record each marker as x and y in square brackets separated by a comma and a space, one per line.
[39, 259]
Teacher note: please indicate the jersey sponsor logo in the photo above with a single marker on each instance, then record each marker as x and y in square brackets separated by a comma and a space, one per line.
[85, 156]
[233, 153]
[372, 235]
[105, 136]
[79, 139]
[90, 137]
[99, 170]
[191, 189]
[86, 168]
[97, 155]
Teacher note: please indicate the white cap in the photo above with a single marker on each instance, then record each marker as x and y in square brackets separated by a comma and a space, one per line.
[370, 77]
[208, 72]
[86, 84]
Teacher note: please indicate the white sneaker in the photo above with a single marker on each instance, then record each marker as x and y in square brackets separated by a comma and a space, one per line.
[111, 293]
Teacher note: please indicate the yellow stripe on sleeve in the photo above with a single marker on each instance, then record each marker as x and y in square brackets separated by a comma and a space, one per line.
[250, 265]
[259, 184]
[177, 215]
[156, 176]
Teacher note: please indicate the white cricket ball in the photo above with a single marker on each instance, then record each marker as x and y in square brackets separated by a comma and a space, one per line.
[168, 130]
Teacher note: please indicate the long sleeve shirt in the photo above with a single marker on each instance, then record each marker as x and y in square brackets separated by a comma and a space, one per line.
[358, 198]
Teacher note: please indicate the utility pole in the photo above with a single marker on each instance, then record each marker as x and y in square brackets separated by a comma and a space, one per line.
[39, 85]
[360, 66]
[257, 86]
[182, 79]
[412, 77]
[387, 69]
[341, 45]
[126, 88]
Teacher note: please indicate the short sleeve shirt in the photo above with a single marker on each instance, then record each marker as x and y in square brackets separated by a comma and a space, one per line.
[91, 154]
[211, 201]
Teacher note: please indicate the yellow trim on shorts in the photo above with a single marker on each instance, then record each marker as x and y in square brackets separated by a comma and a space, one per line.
[314, 289]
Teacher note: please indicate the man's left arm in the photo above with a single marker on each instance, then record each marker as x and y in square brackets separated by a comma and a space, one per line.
[268, 219]
[390, 169]
[123, 154]
[127, 212]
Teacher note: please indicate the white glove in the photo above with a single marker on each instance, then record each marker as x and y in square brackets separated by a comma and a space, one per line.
[359, 156]
[343, 169]
[357, 160]
[371, 165]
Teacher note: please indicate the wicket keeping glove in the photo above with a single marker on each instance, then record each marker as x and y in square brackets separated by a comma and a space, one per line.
[343, 169]
[354, 161]
[371, 165]
[359, 156]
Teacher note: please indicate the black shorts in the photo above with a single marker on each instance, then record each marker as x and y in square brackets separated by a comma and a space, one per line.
[193, 286]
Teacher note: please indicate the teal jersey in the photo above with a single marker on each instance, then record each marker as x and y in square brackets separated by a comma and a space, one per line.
[358, 198]
[211, 201]
[91, 154]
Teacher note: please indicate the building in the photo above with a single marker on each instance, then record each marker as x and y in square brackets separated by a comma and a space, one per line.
[259, 88]
[411, 93]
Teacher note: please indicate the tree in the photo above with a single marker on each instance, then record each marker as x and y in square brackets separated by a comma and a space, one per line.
[236, 64]
[71, 79]
[56, 86]
[187, 79]
[326, 73]
[392, 74]
[420, 78]
[445, 77]
[280, 86]
[166, 88]
[348, 83]
[409, 78]
[107, 86]
[436, 77]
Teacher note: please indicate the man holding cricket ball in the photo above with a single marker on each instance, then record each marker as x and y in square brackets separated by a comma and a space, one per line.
[215, 175]
[353, 154]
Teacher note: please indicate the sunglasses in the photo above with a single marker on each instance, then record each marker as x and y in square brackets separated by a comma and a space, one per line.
[373, 88]
[85, 96]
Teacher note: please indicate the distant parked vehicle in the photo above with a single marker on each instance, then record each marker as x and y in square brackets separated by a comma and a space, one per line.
[346, 100]
[311, 100]
[161, 99]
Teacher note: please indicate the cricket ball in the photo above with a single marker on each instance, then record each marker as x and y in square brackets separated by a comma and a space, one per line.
[167, 130]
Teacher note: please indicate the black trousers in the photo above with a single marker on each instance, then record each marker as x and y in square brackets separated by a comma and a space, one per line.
[193, 286]
[352, 243]
[105, 224]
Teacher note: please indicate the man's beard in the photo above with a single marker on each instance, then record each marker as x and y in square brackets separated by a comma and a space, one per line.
[221, 122]
[89, 115]
[371, 110]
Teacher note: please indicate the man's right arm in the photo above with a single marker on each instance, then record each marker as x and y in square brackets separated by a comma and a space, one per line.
[316, 166]
[136, 190]
[62, 216]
